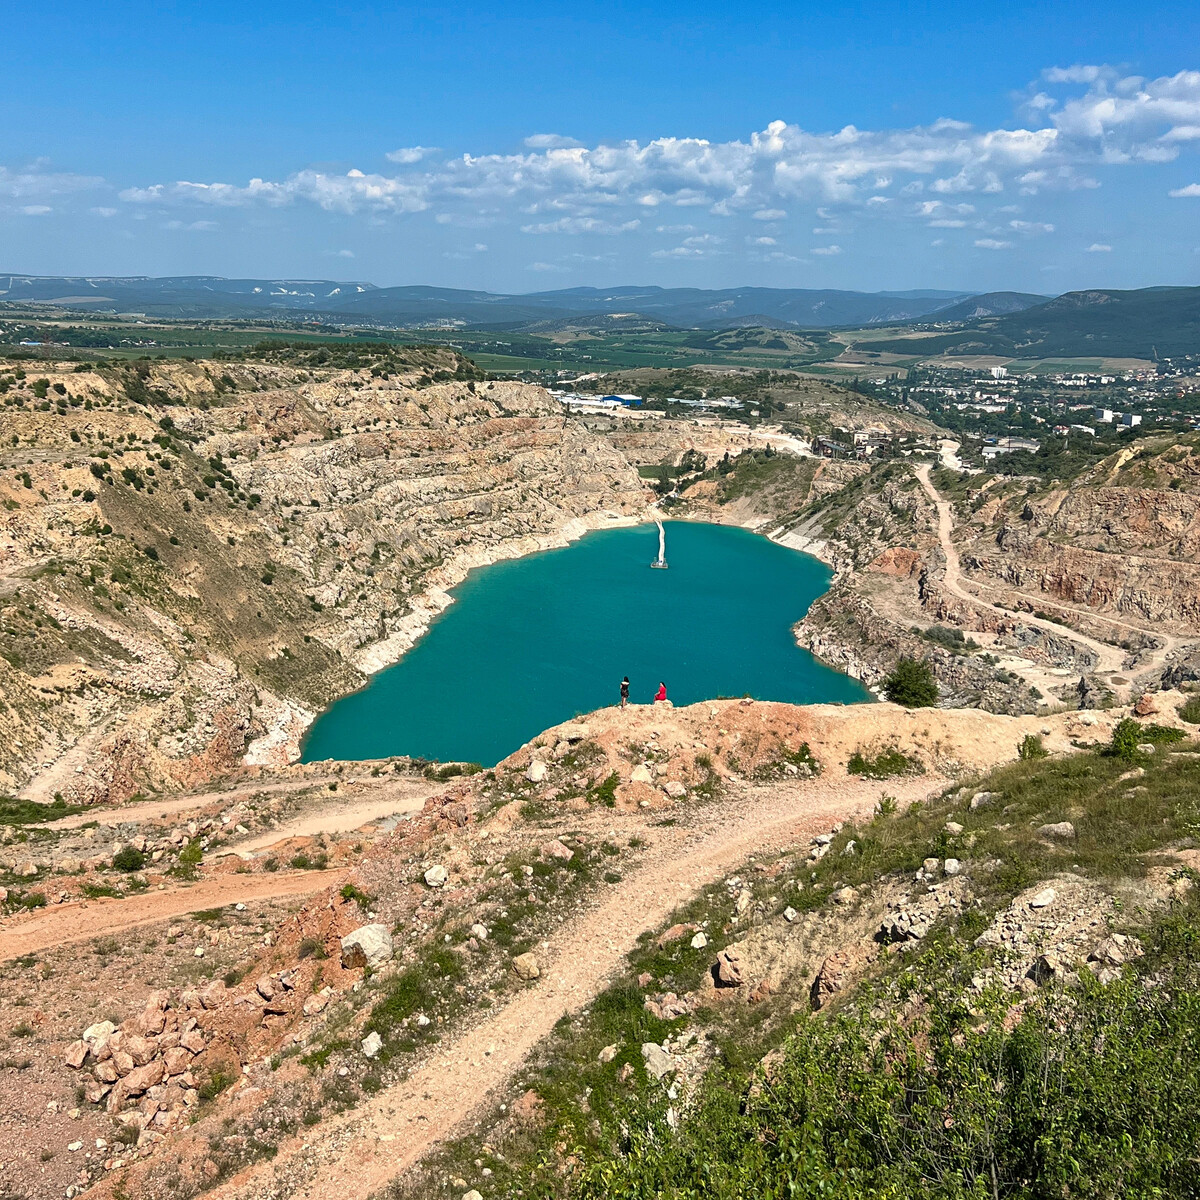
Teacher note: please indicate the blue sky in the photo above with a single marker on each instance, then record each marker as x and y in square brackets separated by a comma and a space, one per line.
[520, 147]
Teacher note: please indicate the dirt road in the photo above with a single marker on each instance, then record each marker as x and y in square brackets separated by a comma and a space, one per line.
[81, 920]
[354, 1156]
[1110, 659]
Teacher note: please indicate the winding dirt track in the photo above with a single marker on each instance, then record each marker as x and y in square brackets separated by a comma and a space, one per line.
[354, 1156]
[1110, 659]
[80, 920]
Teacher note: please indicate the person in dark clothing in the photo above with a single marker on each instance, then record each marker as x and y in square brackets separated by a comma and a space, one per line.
[625, 691]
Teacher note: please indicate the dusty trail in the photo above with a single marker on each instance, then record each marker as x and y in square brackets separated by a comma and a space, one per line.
[397, 801]
[327, 814]
[78, 921]
[354, 1156]
[1110, 659]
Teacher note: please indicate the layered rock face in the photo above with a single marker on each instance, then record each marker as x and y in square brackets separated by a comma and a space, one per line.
[193, 559]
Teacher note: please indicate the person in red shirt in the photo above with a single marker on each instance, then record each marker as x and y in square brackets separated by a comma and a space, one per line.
[661, 694]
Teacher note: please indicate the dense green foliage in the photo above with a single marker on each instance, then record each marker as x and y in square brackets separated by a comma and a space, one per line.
[912, 684]
[1089, 1093]
[883, 765]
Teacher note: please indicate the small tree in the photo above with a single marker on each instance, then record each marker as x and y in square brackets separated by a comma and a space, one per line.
[1125, 739]
[912, 684]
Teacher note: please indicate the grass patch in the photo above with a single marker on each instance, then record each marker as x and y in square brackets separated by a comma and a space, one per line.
[28, 812]
[884, 765]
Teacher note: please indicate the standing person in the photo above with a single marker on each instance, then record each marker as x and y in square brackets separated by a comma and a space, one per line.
[661, 694]
[625, 691]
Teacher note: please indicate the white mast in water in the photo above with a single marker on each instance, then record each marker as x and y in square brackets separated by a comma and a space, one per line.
[661, 561]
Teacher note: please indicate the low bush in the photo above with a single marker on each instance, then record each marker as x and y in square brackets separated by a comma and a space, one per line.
[885, 764]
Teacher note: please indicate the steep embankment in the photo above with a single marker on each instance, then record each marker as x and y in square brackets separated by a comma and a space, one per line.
[194, 558]
[1054, 584]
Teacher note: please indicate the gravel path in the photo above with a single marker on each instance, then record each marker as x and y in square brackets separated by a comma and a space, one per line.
[81, 920]
[355, 1155]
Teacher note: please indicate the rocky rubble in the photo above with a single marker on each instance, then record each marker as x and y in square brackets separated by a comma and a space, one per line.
[145, 1070]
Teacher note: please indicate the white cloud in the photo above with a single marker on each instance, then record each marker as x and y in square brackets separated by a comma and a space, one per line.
[827, 250]
[1099, 248]
[36, 182]
[761, 241]
[36, 210]
[992, 244]
[192, 226]
[550, 141]
[545, 266]
[1079, 122]
[1192, 189]
[582, 225]
[407, 155]
[341, 253]
[104, 212]
[1075, 74]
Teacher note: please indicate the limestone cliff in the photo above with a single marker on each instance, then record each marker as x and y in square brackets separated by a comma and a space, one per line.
[194, 558]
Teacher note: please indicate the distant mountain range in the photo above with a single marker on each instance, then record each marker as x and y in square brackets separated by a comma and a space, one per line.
[1149, 323]
[204, 296]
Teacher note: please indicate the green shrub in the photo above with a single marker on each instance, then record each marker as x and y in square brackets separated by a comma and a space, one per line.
[1189, 710]
[885, 764]
[1031, 747]
[912, 684]
[128, 858]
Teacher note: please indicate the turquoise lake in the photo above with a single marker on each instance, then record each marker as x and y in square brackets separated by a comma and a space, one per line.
[534, 641]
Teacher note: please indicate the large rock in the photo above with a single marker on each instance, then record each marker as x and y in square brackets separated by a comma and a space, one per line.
[436, 876]
[830, 978]
[367, 946]
[1057, 829]
[536, 771]
[658, 1061]
[557, 849]
[372, 1044]
[729, 971]
[526, 967]
[641, 774]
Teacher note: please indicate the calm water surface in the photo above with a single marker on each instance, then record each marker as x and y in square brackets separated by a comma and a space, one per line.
[534, 641]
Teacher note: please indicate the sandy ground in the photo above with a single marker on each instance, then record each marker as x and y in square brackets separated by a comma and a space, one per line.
[356, 1155]
[79, 921]
[400, 802]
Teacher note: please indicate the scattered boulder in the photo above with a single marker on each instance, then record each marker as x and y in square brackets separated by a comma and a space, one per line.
[830, 978]
[526, 967]
[699, 941]
[372, 1044]
[1057, 829]
[1043, 899]
[982, 799]
[844, 895]
[479, 932]
[1145, 707]
[790, 914]
[557, 849]
[436, 876]
[658, 1061]
[76, 1055]
[953, 828]
[607, 1054]
[536, 771]
[367, 946]
[952, 867]
[675, 789]
[674, 934]
[729, 969]
[641, 774]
